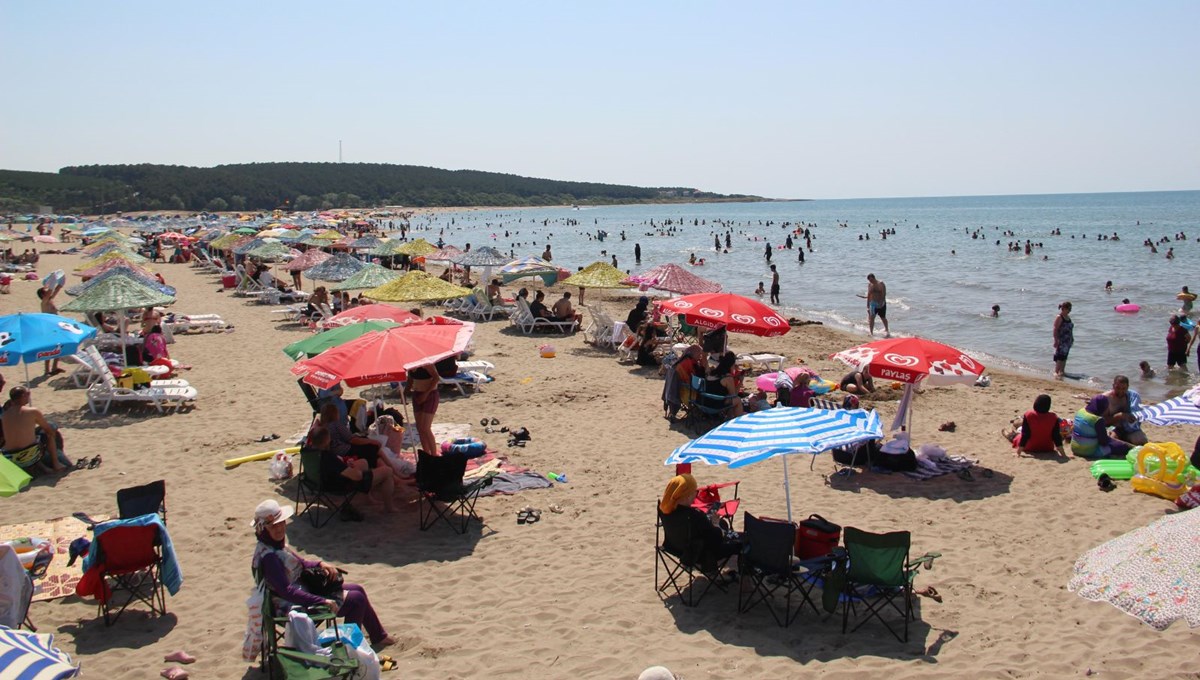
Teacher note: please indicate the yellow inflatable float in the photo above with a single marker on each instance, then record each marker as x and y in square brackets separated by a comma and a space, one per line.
[265, 455]
[1168, 478]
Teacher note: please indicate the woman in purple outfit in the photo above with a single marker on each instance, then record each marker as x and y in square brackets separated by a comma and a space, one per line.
[280, 567]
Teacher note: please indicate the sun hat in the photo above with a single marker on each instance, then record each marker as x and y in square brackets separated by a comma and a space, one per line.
[269, 512]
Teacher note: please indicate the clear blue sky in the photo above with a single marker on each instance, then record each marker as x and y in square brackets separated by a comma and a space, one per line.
[783, 99]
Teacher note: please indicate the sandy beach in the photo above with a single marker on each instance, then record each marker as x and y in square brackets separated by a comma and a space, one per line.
[572, 596]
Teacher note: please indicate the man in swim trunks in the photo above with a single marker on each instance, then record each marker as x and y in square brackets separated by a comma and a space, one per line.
[877, 304]
[1123, 405]
[774, 285]
[29, 439]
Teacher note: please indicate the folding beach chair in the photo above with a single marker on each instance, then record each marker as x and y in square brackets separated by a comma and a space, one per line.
[701, 410]
[130, 559]
[16, 590]
[676, 567]
[708, 499]
[877, 572]
[283, 662]
[768, 565]
[312, 490]
[443, 494]
[146, 499]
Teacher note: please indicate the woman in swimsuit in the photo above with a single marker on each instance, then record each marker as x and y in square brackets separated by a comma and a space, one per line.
[423, 386]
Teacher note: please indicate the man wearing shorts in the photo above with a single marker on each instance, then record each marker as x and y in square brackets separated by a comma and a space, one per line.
[877, 304]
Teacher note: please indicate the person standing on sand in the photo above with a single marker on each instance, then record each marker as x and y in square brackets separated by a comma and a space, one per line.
[877, 304]
[1064, 337]
[774, 285]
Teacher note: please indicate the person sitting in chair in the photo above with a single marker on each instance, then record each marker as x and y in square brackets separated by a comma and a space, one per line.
[708, 544]
[344, 474]
[563, 311]
[342, 441]
[281, 568]
[538, 307]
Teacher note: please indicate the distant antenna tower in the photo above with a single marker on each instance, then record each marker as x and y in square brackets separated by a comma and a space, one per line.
[339, 151]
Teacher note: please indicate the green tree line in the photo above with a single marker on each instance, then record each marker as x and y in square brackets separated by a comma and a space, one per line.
[305, 186]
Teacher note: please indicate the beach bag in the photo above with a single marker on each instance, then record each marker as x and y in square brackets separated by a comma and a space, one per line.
[816, 537]
[349, 633]
[314, 580]
[280, 467]
[134, 379]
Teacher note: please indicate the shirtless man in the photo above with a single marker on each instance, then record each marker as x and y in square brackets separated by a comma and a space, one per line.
[21, 422]
[877, 304]
[1122, 402]
[563, 310]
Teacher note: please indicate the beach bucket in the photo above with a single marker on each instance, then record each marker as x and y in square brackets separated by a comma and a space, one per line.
[547, 351]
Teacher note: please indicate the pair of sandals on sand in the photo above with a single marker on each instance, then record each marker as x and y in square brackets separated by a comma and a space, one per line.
[488, 425]
[176, 672]
[528, 515]
[84, 463]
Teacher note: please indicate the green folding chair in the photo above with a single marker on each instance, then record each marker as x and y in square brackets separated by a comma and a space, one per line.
[878, 575]
[283, 662]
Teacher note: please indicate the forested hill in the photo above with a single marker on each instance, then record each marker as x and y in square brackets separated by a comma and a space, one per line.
[307, 186]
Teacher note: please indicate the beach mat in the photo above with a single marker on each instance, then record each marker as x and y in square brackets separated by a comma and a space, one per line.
[441, 432]
[945, 466]
[60, 579]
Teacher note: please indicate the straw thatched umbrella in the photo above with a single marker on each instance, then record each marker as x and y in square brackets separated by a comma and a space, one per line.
[416, 248]
[117, 294]
[121, 270]
[416, 286]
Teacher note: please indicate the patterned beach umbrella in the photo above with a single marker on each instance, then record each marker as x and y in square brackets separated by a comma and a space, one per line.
[416, 248]
[112, 254]
[529, 266]
[271, 251]
[446, 254]
[1151, 573]
[365, 243]
[31, 656]
[1181, 410]
[416, 286]
[117, 293]
[337, 268]
[245, 247]
[116, 263]
[224, 242]
[315, 344]
[782, 431]
[674, 279]
[121, 270]
[734, 313]
[597, 275]
[480, 257]
[387, 248]
[370, 276]
[308, 259]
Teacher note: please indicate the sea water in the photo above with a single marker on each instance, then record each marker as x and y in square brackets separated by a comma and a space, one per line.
[941, 282]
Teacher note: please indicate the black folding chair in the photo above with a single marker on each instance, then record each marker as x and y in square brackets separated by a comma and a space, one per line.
[313, 490]
[146, 499]
[677, 560]
[768, 565]
[443, 494]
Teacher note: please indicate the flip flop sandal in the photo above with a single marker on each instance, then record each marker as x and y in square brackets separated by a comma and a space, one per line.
[931, 593]
[94, 464]
[1105, 483]
[81, 463]
[495, 421]
[534, 516]
[504, 429]
[483, 421]
[488, 429]
[386, 665]
[522, 516]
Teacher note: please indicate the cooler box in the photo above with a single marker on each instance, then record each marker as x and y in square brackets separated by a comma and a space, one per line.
[816, 537]
[229, 280]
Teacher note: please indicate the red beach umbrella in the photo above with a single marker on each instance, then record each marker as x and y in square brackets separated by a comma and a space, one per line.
[910, 360]
[735, 313]
[673, 279]
[385, 356]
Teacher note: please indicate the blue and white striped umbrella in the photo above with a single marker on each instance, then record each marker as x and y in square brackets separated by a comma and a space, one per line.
[29, 656]
[1178, 411]
[777, 431]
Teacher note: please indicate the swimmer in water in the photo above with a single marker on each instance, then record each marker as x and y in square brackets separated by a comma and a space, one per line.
[1147, 372]
[995, 311]
[1108, 286]
[760, 291]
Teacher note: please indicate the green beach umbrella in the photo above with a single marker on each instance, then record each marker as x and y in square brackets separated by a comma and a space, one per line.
[245, 230]
[416, 286]
[315, 344]
[117, 293]
[270, 251]
[370, 276]
[387, 249]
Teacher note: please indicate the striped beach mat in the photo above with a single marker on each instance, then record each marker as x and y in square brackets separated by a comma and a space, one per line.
[945, 466]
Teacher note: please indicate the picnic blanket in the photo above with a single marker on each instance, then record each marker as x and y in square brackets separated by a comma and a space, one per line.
[60, 580]
[937, 468]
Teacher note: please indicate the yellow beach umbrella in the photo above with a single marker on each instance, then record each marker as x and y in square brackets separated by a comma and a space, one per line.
[112, 255]
[597, 275]
[223, 242]
[416, 286]
[329, 235]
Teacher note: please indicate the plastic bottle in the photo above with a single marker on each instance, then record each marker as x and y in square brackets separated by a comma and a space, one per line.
[557, 477]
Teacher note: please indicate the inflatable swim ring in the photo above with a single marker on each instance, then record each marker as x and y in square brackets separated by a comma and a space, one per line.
[1128, 308]
[27, 549]
[266, 455]
[1190, 297]
[1188, 324]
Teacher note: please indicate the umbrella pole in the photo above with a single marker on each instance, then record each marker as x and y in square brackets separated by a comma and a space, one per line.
[121, 325]
[787, 488]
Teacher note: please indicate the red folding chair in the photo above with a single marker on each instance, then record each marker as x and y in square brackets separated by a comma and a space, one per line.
[130, 563]
[708, 499]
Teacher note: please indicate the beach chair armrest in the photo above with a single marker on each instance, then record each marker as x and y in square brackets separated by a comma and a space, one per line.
[925, 560]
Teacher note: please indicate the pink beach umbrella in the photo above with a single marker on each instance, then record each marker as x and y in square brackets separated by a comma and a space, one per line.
[673, 279]
[307, 260]
[732, 312]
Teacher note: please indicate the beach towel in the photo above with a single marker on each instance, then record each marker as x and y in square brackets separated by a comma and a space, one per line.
[928, 469]
[508, 483]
